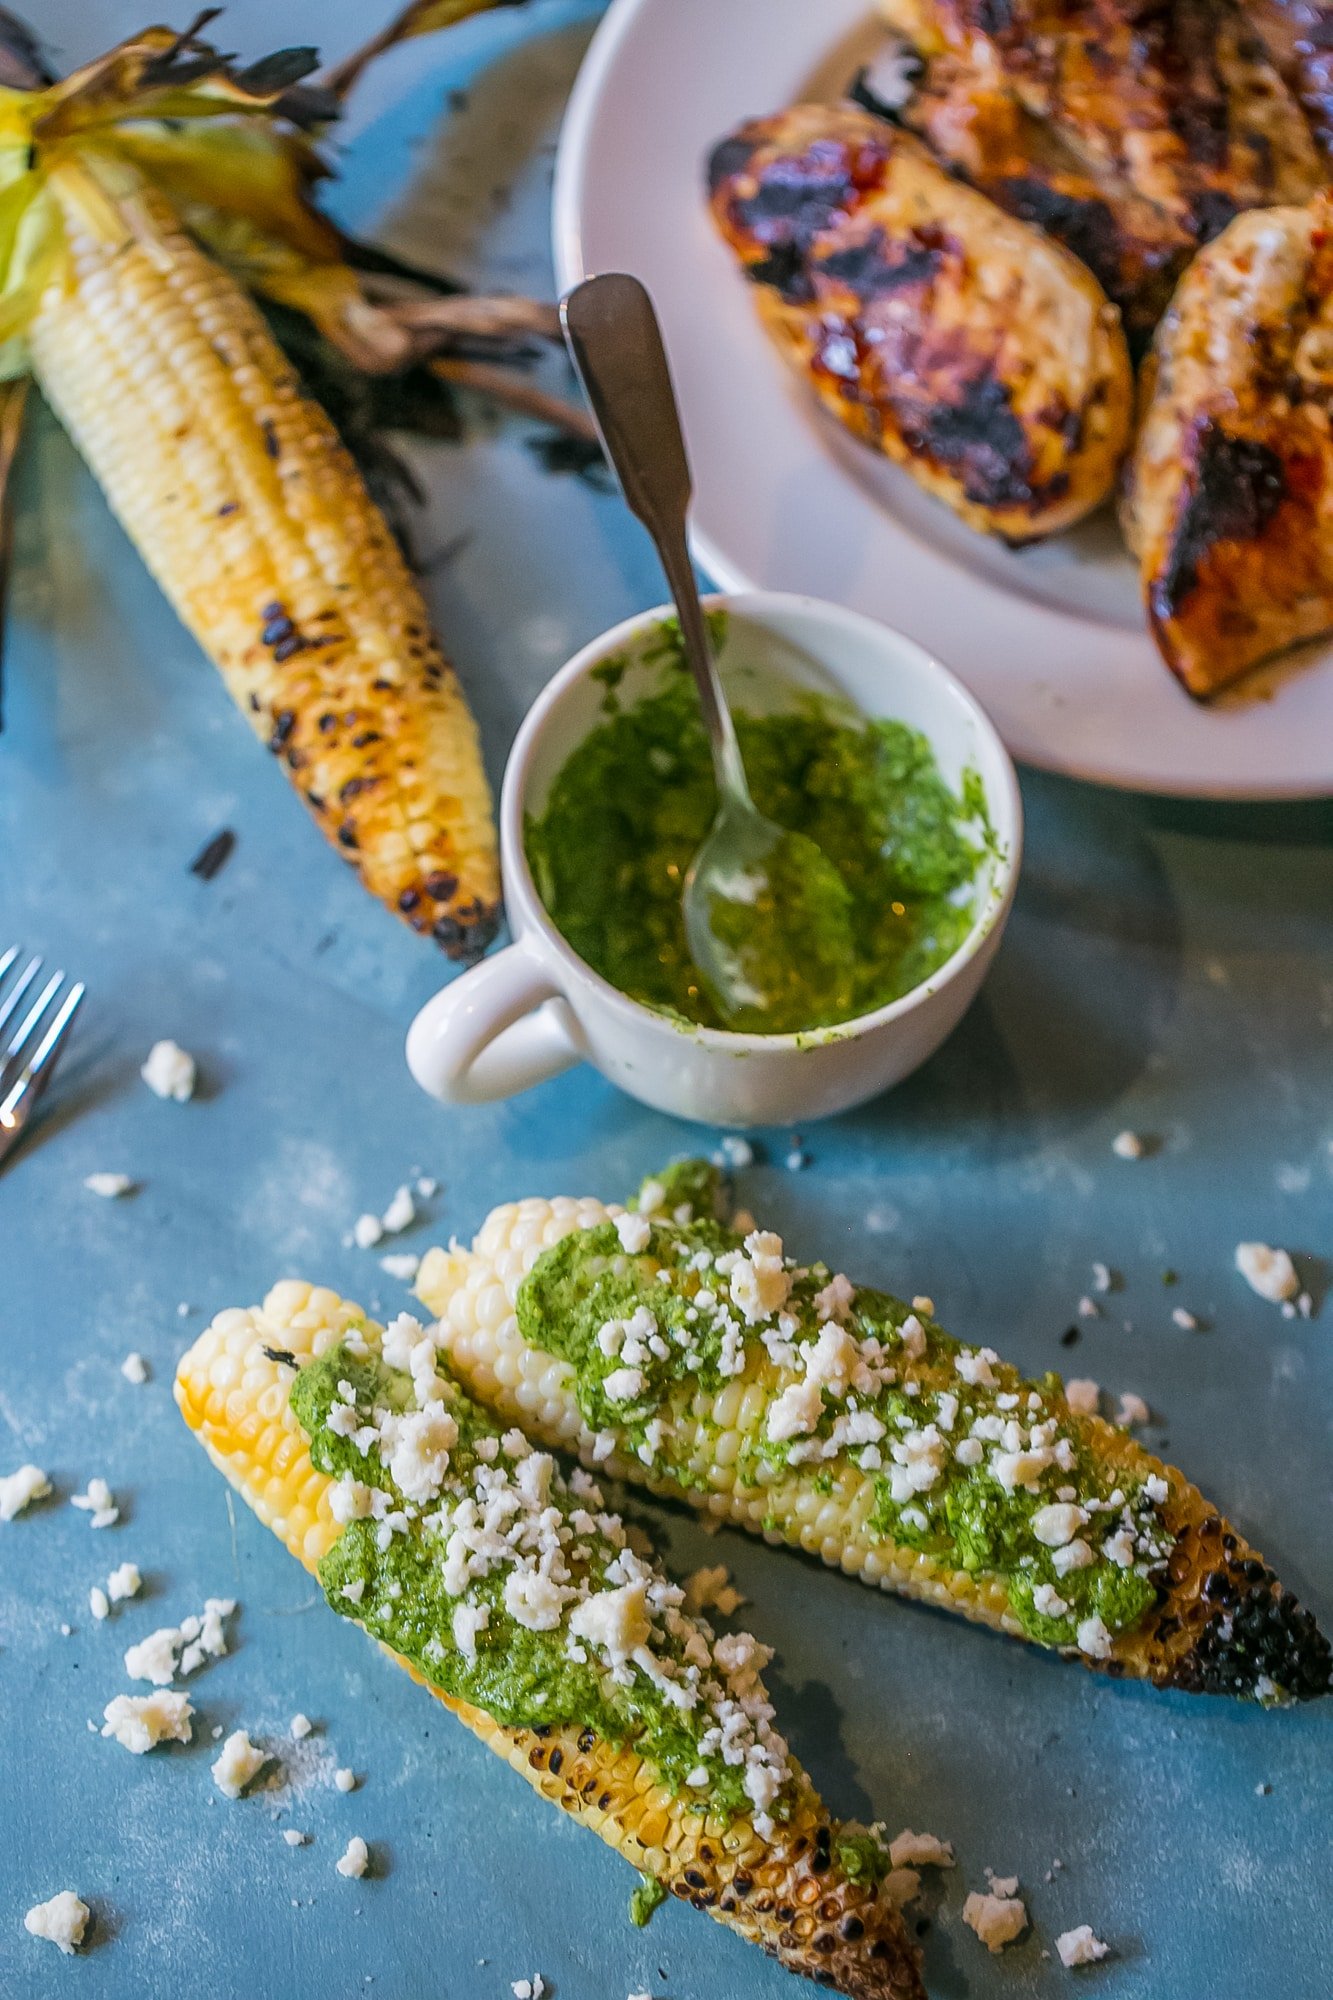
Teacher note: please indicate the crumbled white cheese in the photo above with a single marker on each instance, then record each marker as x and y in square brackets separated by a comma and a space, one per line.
[293, 1837]
[1083, 1396]
[796, 1411]
[1128, 1146]
[169, 1072]
[1047, 1601]
[401, 1265]
[19, 1489]
[1056, 1525]
[1187, 1322]
[1089, 1308]
[997, 1920]
[1080, 1946]
[634, 1232]
[345, 1780]
[367, 1231]
[62, 1921]
[109, 1186]
[736, 1152]
[1156, 1488]
[124, 1582]
[614, 1622]
[98, 1502]
[1020, 1468]
[975, 1368]
[920, 1850]
[1102, 1279]
[299, 1727]
[195, 1640]
[623, 1385]
[1093, 1639]
[427, 1187]
[836, 1299]
[98, 1602]
[141, 1721]
[1133, 1410]
[355, 1861]
[1268, 1272]
[400, 1214]
[135, 1369]
[468, 1621]
[1074, 1555]
[712, 1590]
[760, 1281]
[240, 1762]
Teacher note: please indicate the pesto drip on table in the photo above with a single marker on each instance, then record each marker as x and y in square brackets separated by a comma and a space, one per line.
[634, 801]
[513, 1589]
[660, 1309]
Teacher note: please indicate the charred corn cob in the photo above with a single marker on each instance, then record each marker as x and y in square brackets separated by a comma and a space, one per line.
[516, 1599]
[258, 527]
[663, 1348]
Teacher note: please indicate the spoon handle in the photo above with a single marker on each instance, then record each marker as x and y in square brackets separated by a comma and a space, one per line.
[616, 342]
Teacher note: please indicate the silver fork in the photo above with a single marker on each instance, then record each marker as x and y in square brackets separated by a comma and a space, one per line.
[30, 1049]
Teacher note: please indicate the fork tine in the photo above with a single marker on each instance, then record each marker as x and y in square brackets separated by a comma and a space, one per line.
[19, 1101]
[31, 1019]
[19, 988]
[7, 959]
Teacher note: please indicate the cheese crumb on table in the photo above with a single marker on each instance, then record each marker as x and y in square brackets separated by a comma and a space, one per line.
[170, 1072]
[109, 1186]
[19, 1489]
[135, 1369]
[239, 1764]
[1133, 1410]
[1080, 1947]
[63, 1921]
[712, 1590]
[195, 1639]
[141, 1721]
[1187, 1321]
[1128, 1146]
[345, 1780]
[997, 1920]
[356, 1860]
[99, 1502]
[402, 1265]
[920, 1850]
[400, 1214]
[1102, 1279]
[125, 1581]
[529, 1989]
[1083, 1396]
[1268, 1272]
[294, 1838]
[98, 1602]
[300, 1725]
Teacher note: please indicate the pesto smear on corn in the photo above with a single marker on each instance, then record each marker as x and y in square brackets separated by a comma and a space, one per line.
[934, 1446]
[633, 803]
[514, 1589]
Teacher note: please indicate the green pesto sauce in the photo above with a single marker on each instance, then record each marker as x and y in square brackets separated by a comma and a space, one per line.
[967, 1518]
[635, 800]
[861, 1855]
[649, 1896]
[523, 1679]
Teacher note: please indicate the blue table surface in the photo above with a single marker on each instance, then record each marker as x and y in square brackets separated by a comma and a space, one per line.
[1168, 969]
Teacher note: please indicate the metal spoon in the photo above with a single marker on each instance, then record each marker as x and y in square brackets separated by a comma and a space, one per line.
[767, 915]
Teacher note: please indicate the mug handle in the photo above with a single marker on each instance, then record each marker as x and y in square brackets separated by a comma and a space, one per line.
[494, 1031]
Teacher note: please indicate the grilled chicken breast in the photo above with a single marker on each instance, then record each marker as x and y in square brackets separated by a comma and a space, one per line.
[1229, 500]
[1131, 132]
[964, 345]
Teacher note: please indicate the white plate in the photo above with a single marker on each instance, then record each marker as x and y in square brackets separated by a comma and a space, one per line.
[1051, 639]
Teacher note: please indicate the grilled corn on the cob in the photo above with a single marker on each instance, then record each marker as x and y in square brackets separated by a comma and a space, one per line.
[258, 526]
[664, 1349]
[518, 1567]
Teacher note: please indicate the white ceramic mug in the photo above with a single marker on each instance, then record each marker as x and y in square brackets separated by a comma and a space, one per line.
[535, 1007]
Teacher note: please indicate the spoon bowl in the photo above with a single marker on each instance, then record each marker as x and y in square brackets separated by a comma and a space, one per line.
[768, 919]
